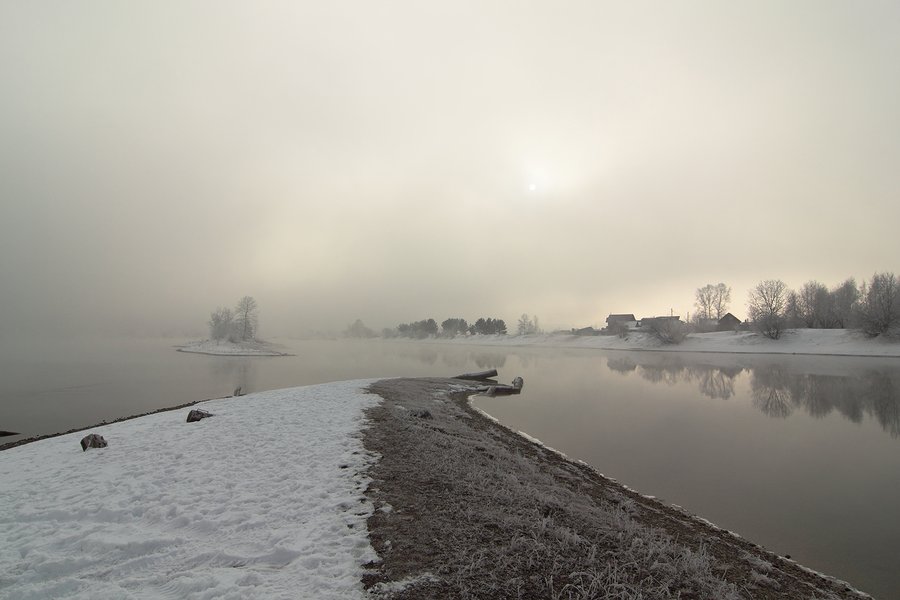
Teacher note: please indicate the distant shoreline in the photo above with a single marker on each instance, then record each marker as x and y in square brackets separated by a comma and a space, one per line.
[810, 342]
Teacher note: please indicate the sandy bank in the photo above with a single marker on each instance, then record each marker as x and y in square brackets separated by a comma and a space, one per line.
[468, 509]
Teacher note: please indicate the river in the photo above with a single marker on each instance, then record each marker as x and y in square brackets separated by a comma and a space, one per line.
[799, 454]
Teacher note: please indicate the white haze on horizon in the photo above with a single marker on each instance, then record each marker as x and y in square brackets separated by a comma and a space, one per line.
[399, 161]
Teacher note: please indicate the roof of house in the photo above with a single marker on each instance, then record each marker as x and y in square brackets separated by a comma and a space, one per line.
[729, 317]
[621, 317]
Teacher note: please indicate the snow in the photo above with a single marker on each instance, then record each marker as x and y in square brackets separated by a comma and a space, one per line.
[226, 348]
[262, 500]
[839, 342]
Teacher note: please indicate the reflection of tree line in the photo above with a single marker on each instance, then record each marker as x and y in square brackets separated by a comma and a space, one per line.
[877, 393]
[777, 392]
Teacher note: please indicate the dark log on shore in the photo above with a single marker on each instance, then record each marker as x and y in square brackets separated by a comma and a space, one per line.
[479, 376]
[502, 390]
[7, 433]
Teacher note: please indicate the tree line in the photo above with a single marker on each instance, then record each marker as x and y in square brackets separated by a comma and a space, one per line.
[426, 328]
[872, 306]
[239, 324]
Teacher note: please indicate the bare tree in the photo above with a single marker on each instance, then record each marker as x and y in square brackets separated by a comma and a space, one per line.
[666, 330]
[793, 315]
[220, 323]
[704, 302]
[358, 329]
[816, 305]
[766, 307]
[712, 301]
[845, 299]
[526, 325]
[721, 299]
[880, 309]
[246, 318]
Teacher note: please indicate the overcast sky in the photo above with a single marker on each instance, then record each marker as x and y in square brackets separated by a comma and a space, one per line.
[394, 161]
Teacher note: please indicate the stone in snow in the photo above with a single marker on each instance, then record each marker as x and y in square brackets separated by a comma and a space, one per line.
[196, 415]
[92, 441]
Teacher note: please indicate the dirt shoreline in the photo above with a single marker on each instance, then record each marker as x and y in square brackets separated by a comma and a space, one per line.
[466, 508]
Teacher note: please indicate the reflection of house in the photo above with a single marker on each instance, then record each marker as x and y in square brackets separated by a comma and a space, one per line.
[621, 320]
[729, 322]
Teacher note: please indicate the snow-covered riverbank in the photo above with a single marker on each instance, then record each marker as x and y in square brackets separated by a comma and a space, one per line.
[289, 493]
[262, 500]
[836, 342]
[226, 348]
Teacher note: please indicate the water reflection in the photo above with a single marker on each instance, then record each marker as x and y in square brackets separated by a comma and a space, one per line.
[621, 365]
[778, 391]
[236, 373]
[489, 360]
[717, 382]
[875, 393]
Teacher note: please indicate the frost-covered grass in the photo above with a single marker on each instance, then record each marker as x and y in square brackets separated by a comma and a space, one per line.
[486, 517]
[262, 500]
[227, 348]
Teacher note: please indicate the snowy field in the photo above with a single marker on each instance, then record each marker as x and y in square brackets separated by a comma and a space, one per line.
[226, 348]
[263, 500]
[838, 342]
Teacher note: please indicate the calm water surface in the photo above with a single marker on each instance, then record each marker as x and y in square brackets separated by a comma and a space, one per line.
[799, 454]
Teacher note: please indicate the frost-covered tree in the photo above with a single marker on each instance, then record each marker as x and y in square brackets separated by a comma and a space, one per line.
[712, 301]
[358, 329]
[221, 321]
[527, 325]
[845, 299]
[793, 315]
[880, 307]
[766, 307]
[246, 318]
[815, 305]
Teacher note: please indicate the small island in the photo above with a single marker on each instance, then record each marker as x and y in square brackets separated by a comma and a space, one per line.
[233, 333]
[229, 348]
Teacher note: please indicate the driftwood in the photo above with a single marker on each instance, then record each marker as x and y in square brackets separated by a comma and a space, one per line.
[502, 390]
[7, 433]
[479, 376]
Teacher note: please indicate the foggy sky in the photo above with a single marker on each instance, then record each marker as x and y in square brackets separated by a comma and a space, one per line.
[394, 161]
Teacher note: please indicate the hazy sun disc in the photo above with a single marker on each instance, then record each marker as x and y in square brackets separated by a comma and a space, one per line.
[532, 187]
